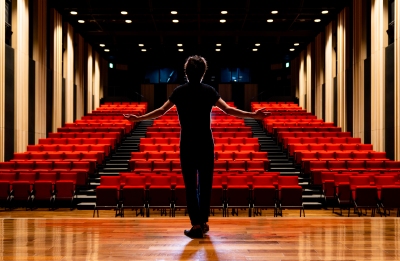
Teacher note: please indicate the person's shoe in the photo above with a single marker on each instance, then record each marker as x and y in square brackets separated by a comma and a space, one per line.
[205, 227]
[194, 233]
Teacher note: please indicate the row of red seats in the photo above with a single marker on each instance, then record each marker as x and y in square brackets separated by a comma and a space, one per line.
[217, 140]
[295, 137]
[126, 127]
[317, 167]
[296, 150]
[92, 156]
[109, 143]
[219, 165]
[216, 134]
[277, 131]
[32, 186]
[84, 135]
[120, 130]
[100, 148]
[362, 192]
[217, 147]
[214, 129]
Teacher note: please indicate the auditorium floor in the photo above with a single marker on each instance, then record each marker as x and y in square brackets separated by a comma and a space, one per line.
[75, 235]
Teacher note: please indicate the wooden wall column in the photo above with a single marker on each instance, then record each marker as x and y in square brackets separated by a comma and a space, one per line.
[397, 80]
[225, 91]
[342, 26]
[379, 40]
[20, 22]
[359, 55]
[319, 72]
[96, 80]
[2, 77]
[302, 80]
[79, 75]
[310, 85]
[68, 66]
[89, 68]
[147, 90]
[250, 91]
[40, 57]
[330, 72]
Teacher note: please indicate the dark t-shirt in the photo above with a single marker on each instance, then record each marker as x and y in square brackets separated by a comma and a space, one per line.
[194, 103]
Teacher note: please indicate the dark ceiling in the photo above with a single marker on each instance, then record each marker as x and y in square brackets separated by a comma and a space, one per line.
[199, 28]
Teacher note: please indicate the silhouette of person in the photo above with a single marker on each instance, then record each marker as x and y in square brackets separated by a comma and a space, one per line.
[194, 101]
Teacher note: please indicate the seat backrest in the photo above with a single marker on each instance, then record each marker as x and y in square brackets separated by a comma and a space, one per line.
[236, 181]
[110, 180]
[384, 180]
[359, 180]
[288, 180]
[135, 180]
[27, 176]
[48, 176]
[160, 181]
[259, 181]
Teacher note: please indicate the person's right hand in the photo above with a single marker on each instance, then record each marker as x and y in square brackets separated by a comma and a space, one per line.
[131, 117]
[261, 114]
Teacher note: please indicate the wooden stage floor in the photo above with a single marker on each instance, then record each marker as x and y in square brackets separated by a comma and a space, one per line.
[75, 235]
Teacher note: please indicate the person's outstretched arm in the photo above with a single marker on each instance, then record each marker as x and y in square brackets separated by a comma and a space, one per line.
[151, 115]
[257, 115]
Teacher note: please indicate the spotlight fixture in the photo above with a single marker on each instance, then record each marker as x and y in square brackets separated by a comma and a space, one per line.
[73, 12]
[274, 12]
[218, 44]
[124, 12]
[270, 20]
[217, 50]
[143, 50]
[325, 12]
[255, 50]
[296, 44]
[180, 50]
[81, 21]
[106, 50]
[128, 21]
[222, 21]
[179, 45]
[174, 12]
[257, 44]
[224, 12]
[175, 21]
[291, 49]
[141, 45]
[317, 20]
[102, 45]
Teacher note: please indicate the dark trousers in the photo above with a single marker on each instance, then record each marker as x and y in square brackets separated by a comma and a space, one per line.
[197, 169]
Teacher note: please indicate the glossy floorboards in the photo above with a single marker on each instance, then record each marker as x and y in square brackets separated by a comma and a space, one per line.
[75, 235]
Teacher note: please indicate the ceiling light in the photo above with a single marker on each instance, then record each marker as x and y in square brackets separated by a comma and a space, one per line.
[73, 12]
[102, 45]
[224, 12]
[270, 20]
[274, 12]
[179, 45]
[217, 50]
[106, 50]
[218, 44]
[128, 21]
[291, 49]
[180, 50]
[81, 21]
[317, 20]
[141, 44]
[257, 44]
[296, 44]
[174, 12]
[325, 12]
[124, 12]
[222, 21]
[175, 21]
[143, 50]
[255, 50]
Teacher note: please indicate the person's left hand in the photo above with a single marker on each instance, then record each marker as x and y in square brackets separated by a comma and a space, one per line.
[261, 114]
[131, 117]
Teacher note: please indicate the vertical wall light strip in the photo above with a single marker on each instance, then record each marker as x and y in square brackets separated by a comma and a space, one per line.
[309, 74]
[69, 73]
[341, 68]
[20, 21]
[2, 77]
[397, 81]
[89, 78]
[329, 73]
[302, 80]
[319, 73]
[96, 80]
[379, 41]
[79, 76]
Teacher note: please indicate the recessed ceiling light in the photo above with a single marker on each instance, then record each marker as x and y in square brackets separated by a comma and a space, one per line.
[143, 50]
[270, 20]
[255, 50]
[128, 21]
[257, 44]
[106, 50]
[217, 50]
[296, 44]
[175, 21]
[291, 49]
[102, 45]
[222, 21]
[124, 12]
[179, 45]
[325, 12]
[218, 44]
[180, 50]
[224, 12]
[317, 20]
[141, 45]
[73, 12]
[174, 12]
[274, 12]
[81, 21]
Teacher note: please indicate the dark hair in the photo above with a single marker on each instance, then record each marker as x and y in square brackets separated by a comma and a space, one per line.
[195, 67]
